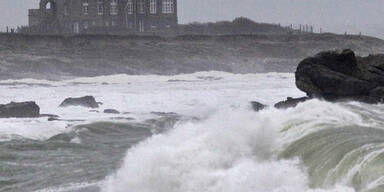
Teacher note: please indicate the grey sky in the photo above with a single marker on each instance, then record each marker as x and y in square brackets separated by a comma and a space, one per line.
[339, 16]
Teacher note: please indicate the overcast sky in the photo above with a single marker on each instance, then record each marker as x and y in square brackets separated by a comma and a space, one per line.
[352, 16]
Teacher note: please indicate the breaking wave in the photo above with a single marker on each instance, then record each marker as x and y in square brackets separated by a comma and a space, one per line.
[316, 147]
[187, 133]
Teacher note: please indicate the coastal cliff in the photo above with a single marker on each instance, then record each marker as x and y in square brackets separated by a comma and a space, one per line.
[57, 57]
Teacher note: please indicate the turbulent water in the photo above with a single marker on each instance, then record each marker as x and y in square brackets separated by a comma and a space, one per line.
[188, 133]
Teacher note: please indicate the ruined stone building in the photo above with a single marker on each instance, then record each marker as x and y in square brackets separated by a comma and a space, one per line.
[104, 17]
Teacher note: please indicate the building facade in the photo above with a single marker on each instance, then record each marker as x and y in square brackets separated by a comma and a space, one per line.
[104, 17]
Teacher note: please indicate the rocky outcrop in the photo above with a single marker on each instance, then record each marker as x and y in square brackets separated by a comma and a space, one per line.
[377, 93]
[111, 111]
[20, 110]
[256, 106]
[291, 102]
[340, 75]
[87, 101]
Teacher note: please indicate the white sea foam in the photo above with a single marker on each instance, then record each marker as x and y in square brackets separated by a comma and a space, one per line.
[233, 150]
[197, 94]
[30, 128]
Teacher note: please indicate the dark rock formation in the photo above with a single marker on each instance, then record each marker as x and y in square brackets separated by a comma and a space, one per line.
[53, 119]
[291, 102]
[377, 93]
[87, 101]
[20, 110]
[111, 111]
[256, 106]
[340, 75]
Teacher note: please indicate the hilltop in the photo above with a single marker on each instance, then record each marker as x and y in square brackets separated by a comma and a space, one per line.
[55, 57]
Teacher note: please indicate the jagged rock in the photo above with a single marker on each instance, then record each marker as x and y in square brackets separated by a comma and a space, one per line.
[339, 75]
[111, 111]
[20, 110]
[87, 101]
[256, 106]
[378, 93]
[291, 102]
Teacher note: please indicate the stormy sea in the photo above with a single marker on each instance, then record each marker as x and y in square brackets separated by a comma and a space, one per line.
[188, 133]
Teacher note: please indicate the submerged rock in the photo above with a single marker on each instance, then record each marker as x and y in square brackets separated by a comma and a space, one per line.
[53, 119]
[164, 113]
[49, 115]
[111, 111]
[340, 75]
[66, 120]
[256, 106]
[123, 118]
[20, 110]
[87, 101]
[291, 102]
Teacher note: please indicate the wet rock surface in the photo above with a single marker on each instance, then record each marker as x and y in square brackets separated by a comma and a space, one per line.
[20, 110]
[340, 75]
[291, 102]
[111, 111]
[257, 106]
[87, 101]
